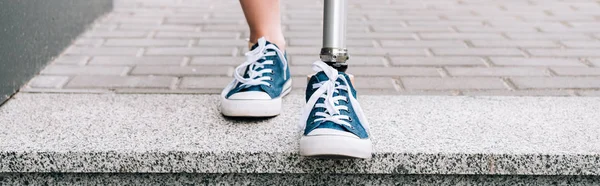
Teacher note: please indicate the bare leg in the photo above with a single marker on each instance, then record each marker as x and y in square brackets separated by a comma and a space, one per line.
[264, 19]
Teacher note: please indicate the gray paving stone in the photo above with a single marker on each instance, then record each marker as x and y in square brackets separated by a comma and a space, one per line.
[44, 81]
[576, 71]
[404, 17]
[394, 71]
[146, 27]
[217, 60]
[116, 34]
[221, 27]
[146, 42]
[563, 18]
[446, 23]
[480, 18]
[595, 62]
[221, 42]
[501, 24]
[423, 43]
[301, 71]
[189, 35]
[184, 51]
[67, 90]
[164, 91]
[374, 83]
[299, 83]
[471, 38]
[120, 82]
[362, 51]
[122, 60]
[134, 20]
[88, 42]
[556, 82]
[182, 71]
[381, 35]
[296, 35]
[425, 93]
[582, 44]
[517, 93]
[565, 52]
[196, 21]
[312, 28]
[477, 52]
[353, 61]
[496, 71]
[548, 36]
[411, 29]
[437, 61]
[454, 36]
[390, 51]
[481, 29]
[84, 70]
[563, 29]
[515, 43]
[584, 24]
[205, 82]
[590, 93]
[71, 60]
[518, 61]
[428, 83]
[87, 51]
[319, 42]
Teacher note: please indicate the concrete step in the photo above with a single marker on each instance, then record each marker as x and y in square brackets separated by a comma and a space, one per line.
[142, 138]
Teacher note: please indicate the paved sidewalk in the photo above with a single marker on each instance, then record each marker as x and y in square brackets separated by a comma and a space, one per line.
[429, 47]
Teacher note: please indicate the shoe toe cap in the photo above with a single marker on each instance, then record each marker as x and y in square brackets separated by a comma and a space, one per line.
[330, 132]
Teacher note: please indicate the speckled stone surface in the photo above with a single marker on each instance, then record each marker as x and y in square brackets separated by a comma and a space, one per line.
[286, 179]
[149, 133]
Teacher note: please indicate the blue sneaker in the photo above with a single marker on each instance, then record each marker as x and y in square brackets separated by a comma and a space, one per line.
[334, 123]
[259, 83]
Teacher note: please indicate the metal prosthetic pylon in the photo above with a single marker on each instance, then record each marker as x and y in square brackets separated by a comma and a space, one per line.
[334, 51]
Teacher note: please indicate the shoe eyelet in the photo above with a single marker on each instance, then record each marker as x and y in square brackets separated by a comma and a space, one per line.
[350, 119]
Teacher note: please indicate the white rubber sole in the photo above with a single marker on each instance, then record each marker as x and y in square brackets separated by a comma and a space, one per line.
[335, 147]
[254, 108]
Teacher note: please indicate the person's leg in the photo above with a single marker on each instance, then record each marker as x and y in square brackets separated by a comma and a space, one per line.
[264, 78]
[264, 19]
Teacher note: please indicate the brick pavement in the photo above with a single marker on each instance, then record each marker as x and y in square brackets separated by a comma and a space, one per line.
[429, 47]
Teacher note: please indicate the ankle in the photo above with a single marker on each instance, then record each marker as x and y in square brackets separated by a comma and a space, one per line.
[277, 40]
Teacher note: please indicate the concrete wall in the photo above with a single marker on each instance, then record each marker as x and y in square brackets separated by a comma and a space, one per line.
[34, 31]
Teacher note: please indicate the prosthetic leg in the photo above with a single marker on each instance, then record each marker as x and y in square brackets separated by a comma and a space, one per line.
[333, 133]
[334, 51]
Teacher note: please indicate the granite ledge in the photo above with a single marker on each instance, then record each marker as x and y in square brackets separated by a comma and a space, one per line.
[153, 133]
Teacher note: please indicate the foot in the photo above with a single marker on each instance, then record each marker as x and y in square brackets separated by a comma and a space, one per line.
[335, 126]
[259, 83]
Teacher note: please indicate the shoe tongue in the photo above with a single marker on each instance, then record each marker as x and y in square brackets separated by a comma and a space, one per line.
[255, 88]
[320, 77]
[267, 43]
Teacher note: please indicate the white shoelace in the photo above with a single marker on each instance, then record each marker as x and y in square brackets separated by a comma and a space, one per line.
[326, 90]
[255, 76]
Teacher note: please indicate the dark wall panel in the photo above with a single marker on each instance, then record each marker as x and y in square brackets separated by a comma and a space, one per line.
[34, 31]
